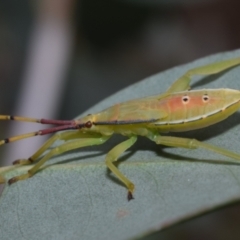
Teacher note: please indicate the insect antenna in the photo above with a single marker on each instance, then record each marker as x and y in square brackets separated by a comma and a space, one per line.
[62, 125]
[36, 120]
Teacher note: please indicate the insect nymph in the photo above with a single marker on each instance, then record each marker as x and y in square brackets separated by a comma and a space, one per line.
[176, 110]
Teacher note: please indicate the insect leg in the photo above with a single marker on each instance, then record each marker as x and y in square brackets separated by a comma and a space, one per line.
[113, 156]
[183, 83]
[193, 144]
[58, 150]
[69, 135]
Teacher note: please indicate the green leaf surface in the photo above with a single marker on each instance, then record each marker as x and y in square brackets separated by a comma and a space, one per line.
[78, 198]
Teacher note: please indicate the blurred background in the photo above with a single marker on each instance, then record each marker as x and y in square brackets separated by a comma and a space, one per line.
[60, 57]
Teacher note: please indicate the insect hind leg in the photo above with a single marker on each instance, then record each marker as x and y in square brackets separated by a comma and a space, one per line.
[183, 83]
[192, 144]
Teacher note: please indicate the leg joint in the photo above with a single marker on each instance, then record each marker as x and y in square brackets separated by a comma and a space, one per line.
[193, 143]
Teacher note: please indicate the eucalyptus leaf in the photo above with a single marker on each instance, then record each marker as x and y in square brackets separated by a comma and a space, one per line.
[75, 196]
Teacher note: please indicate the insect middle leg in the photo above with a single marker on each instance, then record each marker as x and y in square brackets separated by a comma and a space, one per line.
[192, 144]
[82, 142]
[113, 156]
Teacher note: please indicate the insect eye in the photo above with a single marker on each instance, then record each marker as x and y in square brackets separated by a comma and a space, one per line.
[185, 99]
[205, 98]
[88, 124]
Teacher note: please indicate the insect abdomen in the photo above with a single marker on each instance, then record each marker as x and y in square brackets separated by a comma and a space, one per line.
[197, 109]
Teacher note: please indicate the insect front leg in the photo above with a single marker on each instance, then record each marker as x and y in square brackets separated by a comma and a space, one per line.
[82, 142]
[192, 144]
[69, 135]
[113, 156]
[183, 83]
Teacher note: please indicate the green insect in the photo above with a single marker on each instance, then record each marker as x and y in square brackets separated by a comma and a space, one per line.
[176, 110]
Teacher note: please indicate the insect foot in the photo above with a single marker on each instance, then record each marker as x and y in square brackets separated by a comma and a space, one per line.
[20, 177]
[12, 180]
[130, 196]
[22, 161]
[16, 162]
[130, 191]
